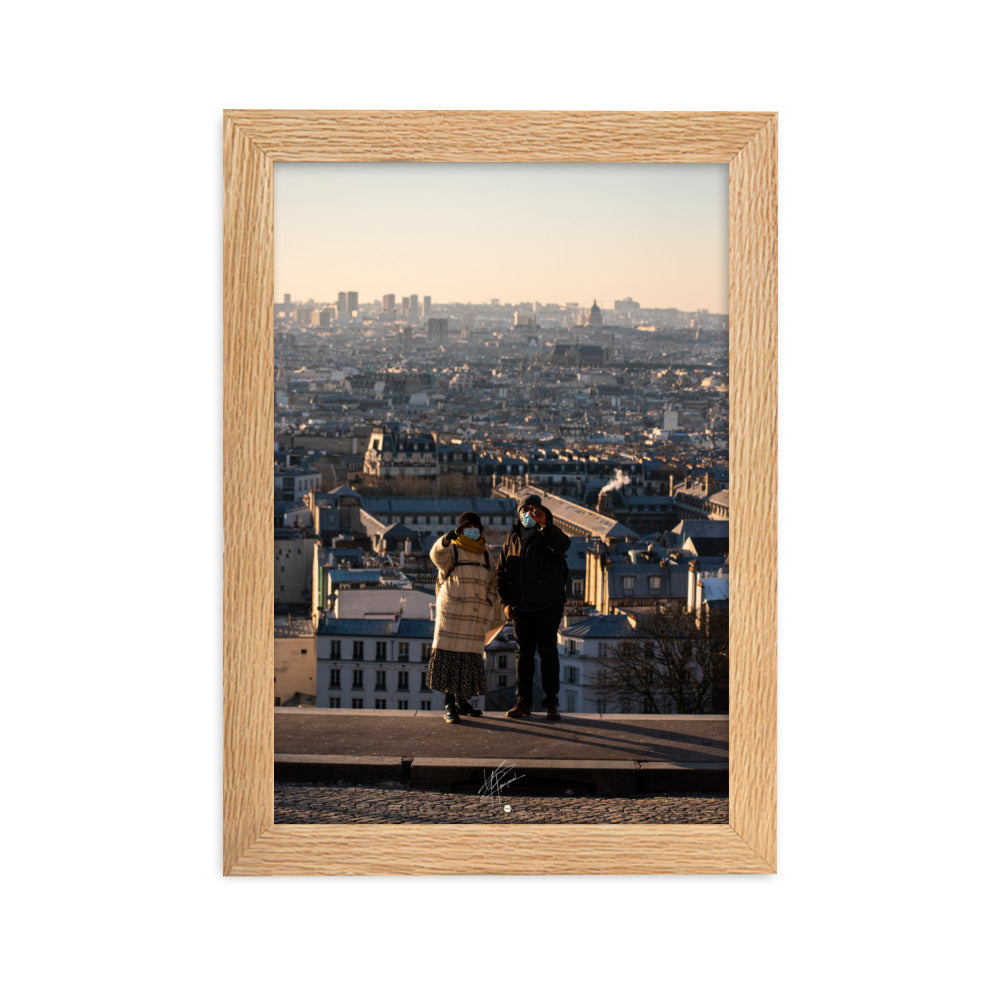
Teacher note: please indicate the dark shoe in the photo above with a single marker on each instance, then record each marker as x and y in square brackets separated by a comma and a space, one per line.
[464, 708]
[552, 714]
[519, 711]
[451, 713]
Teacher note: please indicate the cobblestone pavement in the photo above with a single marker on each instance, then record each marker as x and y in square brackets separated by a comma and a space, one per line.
[391, 802]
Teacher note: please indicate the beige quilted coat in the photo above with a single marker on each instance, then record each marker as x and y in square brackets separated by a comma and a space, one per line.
[467, 602]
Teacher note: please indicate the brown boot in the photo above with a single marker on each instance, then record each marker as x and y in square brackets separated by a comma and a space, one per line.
[519, 711]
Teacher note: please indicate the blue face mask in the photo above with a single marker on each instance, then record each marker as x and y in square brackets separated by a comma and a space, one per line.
[527, 520]
[471, 533]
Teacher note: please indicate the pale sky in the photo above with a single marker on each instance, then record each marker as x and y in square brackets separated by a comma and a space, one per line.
[471, 232]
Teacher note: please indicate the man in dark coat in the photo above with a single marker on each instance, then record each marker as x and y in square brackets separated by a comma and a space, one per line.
[531, 579]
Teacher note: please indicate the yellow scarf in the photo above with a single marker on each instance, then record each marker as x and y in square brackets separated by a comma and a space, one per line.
[477, 547]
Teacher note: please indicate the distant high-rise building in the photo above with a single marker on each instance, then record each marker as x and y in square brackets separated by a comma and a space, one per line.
[406, 303]
[288, 303]
[437, 328]
[388, 302]
[414, 304]
[427, 306]
[341, 305]
[352, 304]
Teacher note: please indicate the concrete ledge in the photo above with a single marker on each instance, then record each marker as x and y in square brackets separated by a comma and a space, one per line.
[607, 778]
[664, 776]
[527, 777]
[333, 767]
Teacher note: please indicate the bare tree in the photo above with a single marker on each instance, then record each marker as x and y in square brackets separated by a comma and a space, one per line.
[672, 664]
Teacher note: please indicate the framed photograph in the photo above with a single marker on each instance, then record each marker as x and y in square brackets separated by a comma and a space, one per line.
[254, 143]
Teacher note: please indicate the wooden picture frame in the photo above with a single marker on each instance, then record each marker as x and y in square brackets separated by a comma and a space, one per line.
[253, 142]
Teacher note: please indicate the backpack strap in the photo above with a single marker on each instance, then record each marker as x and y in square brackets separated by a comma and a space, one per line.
[445, 573]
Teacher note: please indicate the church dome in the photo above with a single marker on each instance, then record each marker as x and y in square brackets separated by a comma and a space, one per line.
[596, 319]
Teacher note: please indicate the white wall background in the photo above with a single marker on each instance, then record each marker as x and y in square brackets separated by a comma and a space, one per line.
[112, 171]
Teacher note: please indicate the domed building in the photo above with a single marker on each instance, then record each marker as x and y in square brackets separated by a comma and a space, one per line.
[595, 319]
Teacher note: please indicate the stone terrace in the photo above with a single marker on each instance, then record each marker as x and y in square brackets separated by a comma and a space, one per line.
[600, 755]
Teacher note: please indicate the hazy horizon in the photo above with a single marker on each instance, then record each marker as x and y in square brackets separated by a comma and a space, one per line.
[657, 233]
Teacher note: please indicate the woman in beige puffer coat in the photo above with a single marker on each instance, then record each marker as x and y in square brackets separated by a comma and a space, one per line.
[467, 602]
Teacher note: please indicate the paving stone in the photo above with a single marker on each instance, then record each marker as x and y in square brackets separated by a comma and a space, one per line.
[306, 802]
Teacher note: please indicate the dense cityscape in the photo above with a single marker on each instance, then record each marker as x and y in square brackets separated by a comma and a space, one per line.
[392, 416]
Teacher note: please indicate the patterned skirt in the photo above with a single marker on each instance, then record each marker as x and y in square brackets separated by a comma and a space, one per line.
[463, 674]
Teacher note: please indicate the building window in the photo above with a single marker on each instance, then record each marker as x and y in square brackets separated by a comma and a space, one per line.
[403, 681]
[425, 706]
[357, 703]
[578, 588]
[379, 650]
[502, 661]
[572, 675]
[335, 677]
[570, 701]
[379, 681]
[335, 649]
[423, 681]
[502, 681]
[654, 584]
[359, 651]
[404, 652]
[628, 584]
[358, 680]
[404, 704]
[425, 652]
[571, 647]
[380, 702]
[334, 703]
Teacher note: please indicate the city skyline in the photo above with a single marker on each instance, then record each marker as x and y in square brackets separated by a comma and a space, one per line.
[551, 233]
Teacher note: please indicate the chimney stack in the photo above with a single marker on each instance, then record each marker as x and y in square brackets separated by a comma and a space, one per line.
[692, 594]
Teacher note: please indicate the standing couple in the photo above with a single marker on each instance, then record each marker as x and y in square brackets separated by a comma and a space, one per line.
[528, 584]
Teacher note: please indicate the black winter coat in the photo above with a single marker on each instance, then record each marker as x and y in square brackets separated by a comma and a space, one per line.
[532, 573]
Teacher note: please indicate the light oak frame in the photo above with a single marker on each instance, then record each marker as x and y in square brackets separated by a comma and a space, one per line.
[253, 142]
